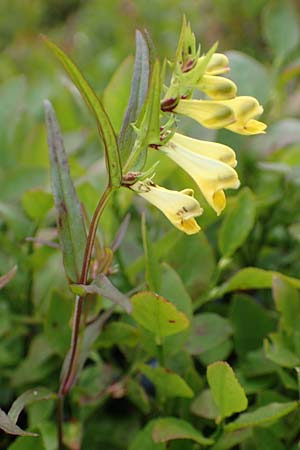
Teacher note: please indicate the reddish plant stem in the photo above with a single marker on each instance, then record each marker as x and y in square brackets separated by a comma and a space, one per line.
[69, 375]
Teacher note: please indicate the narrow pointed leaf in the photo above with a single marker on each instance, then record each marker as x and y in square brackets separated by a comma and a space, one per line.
[139, 88]
[69, 216]
[9, 426]
[170, 428]
[104, 125]
[28, 397]
[103, 286]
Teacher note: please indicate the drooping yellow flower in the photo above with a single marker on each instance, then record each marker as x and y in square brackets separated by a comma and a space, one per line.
[179, 207]
[217, 65]
[218, 88]
[209, 113]
[209, 164]
[243, 110]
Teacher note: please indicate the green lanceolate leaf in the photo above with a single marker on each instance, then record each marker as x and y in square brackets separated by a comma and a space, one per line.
[262, 416]
[103, 286]
[139, 89]
[238, 223]
[28, 397]
[157, 314]
[69, 216]
[104, 125]
[10, 427]
[147, 126]
[227, 392]
[170, 428]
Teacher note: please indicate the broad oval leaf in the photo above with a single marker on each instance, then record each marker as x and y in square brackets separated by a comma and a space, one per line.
[144, 441]
[205, 406]
[70, 221]
[170, 428]
[157, 314]
[238, 223]
[227, 391]
[262, 416]
[104, 125]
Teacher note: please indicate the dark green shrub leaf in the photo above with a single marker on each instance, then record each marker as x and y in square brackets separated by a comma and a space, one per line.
[167, 383]
[238, 223]
[262, 416]
[170, 428]
[143, 440]
[287, 302]
[208, 330]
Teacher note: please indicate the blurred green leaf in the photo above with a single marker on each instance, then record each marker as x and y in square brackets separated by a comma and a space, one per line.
[279, 351]
[231, 439]
[152, 275]
[70, 220]
[158, 315]
[116, 93]
[57, 330]
[287, 303]
[204, 405]
[238, 223]
[119, 333]
[251, 77]
[37, 203]
[173, 288]
[93, 102]
[208, 330]
[262, 416]
[27, 443]
[251, 278]
[170, 428]
[281, 27]
[167, 383]
[227, 391]
[143, 439]
[246, 336]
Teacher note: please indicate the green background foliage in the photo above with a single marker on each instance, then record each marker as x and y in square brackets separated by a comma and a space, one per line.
[233, 287]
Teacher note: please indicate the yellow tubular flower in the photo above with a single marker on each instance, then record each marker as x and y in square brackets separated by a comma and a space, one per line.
[217, 65]
[205, 167]
[218, 88]
[179, 207]
[209, 113]
[213, 150]
[245, 108]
